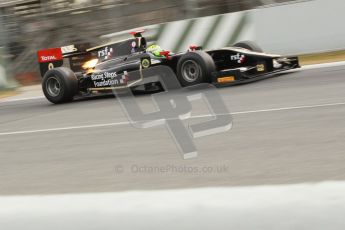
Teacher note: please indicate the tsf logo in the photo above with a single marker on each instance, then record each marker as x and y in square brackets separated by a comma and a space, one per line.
[105, 53]
[239, 58]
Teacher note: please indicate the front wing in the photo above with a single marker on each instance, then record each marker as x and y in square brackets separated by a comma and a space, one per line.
[249, 74]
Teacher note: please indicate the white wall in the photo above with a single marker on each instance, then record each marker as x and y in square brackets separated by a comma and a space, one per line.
[317, 206]
[298, 28]
[305, 27]
[3, 79]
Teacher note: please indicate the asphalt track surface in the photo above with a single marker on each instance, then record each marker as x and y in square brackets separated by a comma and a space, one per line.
[288, 129]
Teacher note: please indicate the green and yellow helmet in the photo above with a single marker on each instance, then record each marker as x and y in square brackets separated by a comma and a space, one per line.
[155, 50]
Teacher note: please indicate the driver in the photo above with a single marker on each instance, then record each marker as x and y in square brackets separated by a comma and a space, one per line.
[155, 50]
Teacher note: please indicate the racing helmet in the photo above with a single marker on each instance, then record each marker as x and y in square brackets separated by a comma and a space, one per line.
[155, 50]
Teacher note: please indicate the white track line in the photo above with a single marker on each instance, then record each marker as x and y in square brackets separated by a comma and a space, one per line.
[193, 117]
[21, 99]
[65, 128]
[324, 65]
[290, 108]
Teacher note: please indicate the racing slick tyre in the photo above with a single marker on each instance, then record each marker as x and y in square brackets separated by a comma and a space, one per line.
[194, 68]
[60, 85]
[249, 45]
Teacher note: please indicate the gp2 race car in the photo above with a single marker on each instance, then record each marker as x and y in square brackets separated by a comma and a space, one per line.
[78, 70]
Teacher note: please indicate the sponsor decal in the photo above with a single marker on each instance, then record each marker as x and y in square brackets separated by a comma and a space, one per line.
[226, 79]
[68, 49]
[260, 68]
[155, 61]
[239, 58]
[108, 79]
[51, 66]
[105, 53]
[134, 44]
[145, 63]
[49, 55]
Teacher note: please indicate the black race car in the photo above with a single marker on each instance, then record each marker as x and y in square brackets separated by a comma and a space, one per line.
[78, 70]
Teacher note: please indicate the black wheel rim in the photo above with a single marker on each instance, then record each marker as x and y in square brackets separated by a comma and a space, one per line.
[191, 71]
[53, 86]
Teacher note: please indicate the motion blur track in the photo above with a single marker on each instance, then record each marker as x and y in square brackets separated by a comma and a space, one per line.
[288, 129]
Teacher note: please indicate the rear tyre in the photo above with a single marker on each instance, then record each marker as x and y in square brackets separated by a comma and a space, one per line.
[195, 68]
[60, 85]
[249, 45]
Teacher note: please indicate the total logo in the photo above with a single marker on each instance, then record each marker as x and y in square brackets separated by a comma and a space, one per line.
[240, 58]
[105, 52]
[48, 58]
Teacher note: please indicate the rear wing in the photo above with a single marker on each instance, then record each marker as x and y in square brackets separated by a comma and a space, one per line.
[75, 56]
[72, 56]
[49, 59]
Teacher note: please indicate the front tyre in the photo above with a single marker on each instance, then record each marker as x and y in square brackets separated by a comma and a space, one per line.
[195, 68]
[60, 85]
[249, 45]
